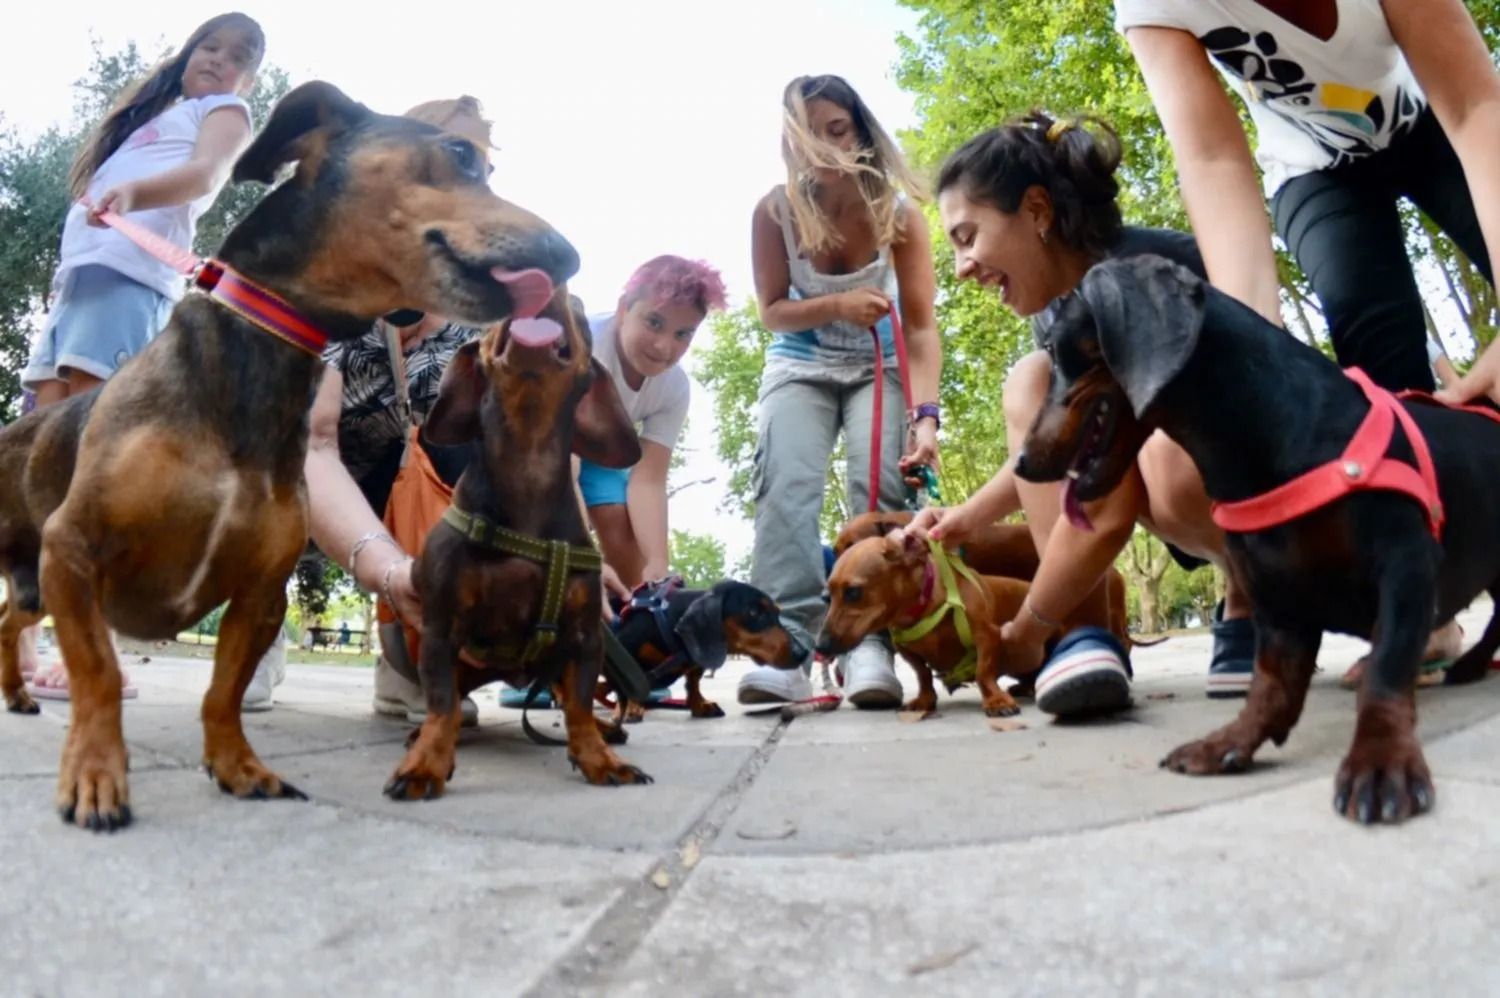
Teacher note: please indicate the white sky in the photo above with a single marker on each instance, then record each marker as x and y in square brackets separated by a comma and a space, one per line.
[636, 127]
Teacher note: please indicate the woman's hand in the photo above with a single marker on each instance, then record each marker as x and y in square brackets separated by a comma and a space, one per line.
[1025, 646]
[120, 200]
[402, 593]
[922, 441]
[863, 306]
[609, 582]
[949, 525]
[1483, 380]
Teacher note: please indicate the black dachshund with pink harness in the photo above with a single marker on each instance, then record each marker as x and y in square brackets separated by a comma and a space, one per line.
[1345, 508]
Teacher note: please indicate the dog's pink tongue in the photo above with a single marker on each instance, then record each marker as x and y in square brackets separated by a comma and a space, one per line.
[1073, 509]
[535, 332]
[530, 290]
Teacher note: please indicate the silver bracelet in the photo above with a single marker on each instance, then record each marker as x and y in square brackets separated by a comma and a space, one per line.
[359, 545]
[1037, 616]
[385, 581]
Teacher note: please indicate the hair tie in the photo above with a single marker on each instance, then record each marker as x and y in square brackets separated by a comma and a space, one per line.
[1057, 128]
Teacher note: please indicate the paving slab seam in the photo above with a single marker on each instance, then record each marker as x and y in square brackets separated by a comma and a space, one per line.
[616, 934]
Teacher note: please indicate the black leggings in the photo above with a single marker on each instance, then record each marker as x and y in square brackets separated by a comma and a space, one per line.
[1343, 227]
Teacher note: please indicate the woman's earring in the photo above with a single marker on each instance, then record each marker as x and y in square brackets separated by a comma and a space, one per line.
[1042, 235]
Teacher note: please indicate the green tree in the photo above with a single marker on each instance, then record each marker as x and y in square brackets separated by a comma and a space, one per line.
[698, 558]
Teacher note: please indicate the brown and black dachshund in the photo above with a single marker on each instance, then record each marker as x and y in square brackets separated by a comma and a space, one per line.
[178, 485]
[1144, 345]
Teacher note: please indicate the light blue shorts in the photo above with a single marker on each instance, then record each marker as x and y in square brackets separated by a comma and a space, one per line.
[101, 319]
[602, 486]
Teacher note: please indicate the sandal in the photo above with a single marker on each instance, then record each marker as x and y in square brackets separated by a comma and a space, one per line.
[1431, 674]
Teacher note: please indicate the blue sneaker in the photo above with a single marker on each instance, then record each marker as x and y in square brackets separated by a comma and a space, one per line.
[1233, 662]
[1088, 673]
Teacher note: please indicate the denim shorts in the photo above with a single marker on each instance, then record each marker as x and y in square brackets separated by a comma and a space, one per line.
[602, 486]
[100, 320]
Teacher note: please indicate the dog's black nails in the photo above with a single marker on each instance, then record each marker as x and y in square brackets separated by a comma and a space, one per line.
[1421, 795]
[67, 812]
[125, 816]
[1390, 805]
[1231, 762]
[289, 792]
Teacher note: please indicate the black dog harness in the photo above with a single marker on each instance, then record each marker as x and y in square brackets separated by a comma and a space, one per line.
[651, 597]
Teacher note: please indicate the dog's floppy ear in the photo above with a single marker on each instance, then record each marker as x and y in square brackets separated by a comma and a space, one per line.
[454, 418]
[702, 629]
[1148, 312]
[602, 433]
[312, 106]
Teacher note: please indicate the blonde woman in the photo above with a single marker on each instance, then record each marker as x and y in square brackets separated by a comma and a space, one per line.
[834, 248]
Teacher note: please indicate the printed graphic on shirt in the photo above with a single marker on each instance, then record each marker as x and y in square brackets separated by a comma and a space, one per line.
[1346, 122]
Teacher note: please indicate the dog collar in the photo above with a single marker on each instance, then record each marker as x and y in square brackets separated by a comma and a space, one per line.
[259, 307]
[919, 609]
[1363, 465]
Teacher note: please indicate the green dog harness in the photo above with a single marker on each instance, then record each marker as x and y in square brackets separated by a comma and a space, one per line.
[952, 603]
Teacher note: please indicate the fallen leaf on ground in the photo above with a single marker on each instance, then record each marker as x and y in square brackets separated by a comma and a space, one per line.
[756, 835]
[939, 961]
[1167, 695]
[690, 854]
[662, 879]
[1007, 724]
[913, 716]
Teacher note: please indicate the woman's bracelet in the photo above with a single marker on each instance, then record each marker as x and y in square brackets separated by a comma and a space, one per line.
[359, 545]
[1040, 618]
[385, 581]
[925, 410]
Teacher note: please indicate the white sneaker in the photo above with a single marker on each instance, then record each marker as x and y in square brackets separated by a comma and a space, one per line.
[766, 684]
[870, 677]
[261, 693]
[397, 696]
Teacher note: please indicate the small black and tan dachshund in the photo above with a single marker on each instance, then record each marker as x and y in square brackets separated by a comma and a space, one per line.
[673, 631]
[1144, 345]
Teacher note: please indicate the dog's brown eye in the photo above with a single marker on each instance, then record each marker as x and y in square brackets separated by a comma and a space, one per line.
[466, 158]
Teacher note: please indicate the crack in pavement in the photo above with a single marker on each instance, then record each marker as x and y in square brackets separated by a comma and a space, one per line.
[619, 931]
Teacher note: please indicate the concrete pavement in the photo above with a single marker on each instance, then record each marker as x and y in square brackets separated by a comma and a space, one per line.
[845, 853]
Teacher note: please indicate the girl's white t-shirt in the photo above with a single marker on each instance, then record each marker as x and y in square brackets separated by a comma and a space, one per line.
[1316, 104]
[162, 143]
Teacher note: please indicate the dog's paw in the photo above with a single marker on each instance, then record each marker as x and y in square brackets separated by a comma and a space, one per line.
[416, 786]
[705, 709]
[248, 779]
[1209, 756]
[1001, 707]
[21, 702]
[635, 712]
[92, 791]
[1383, 780]
[608, 771]
[612, 733]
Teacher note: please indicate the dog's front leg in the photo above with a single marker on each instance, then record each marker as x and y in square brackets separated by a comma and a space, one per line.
[699, 705]
[1284, 661]
[586, 748]
[429, 762]
[251, 622]
[1385, 776]
[991, 653]
[91, 786]
[13, 620]
[925, 702]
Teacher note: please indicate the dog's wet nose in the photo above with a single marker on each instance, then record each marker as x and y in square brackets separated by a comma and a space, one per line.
[559, 258]
[1021, 467]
